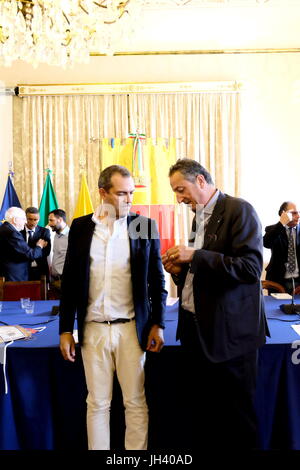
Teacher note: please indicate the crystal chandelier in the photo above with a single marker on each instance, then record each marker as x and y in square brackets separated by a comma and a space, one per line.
[63, 32]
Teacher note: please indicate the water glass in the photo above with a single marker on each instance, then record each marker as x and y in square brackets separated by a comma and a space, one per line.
[24, 301]
[29, 307]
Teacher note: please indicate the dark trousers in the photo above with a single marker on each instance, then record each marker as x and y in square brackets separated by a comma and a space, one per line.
[219, 396]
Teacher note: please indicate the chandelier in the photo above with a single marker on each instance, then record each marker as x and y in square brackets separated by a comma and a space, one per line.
[63, 32]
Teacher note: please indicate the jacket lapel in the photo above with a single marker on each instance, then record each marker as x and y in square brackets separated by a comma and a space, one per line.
[215, 222]
[133, 241]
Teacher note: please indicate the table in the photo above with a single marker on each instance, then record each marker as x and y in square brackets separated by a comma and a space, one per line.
[278, 385]
[45, 406]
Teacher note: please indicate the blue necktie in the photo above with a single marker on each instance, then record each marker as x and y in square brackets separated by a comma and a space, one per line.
[30, 236]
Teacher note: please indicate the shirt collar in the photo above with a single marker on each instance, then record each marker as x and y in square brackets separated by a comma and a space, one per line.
[64, 232]
[104, 222]
[209, 208]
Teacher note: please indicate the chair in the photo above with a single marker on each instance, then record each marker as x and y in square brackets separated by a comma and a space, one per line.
[14, 290]
[273, 286]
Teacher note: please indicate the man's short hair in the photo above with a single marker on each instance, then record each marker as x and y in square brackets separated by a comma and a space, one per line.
[31, 210]
[190, 169]
[59, 213]
[283, 207]
[106, 175]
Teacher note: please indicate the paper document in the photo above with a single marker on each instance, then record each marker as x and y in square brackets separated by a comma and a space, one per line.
[10, 333]
[281, 295]
[171, 300]
[75, 335]
[296, 328]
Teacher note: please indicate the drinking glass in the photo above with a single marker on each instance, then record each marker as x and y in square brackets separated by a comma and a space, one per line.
[24, 301]
[29, 307]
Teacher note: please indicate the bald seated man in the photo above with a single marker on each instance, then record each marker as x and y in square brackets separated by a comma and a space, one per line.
[14, 251]
[281, 268]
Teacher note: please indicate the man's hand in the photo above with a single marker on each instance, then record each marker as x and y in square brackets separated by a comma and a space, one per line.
[155, 339]
[169, 266]
[285, 218]
[41, 243]
[67, 346]
[179, 254]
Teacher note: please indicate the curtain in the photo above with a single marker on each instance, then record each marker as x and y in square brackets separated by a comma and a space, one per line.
[206, 128]
[63, 133]
[71, 133]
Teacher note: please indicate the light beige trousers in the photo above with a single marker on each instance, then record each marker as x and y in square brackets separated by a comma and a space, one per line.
[108, 348]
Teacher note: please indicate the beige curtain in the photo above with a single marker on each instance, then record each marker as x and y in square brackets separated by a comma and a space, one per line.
[206, 127]
[64, 133]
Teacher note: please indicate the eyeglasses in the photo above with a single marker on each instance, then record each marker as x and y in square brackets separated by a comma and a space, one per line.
[294, 212]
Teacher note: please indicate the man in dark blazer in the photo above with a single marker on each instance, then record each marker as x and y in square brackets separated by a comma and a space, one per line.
[15, 254]
[276, 238]
[113, 279]
[221, 317]
[31, 233]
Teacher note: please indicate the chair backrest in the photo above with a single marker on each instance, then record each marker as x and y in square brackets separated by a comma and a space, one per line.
[274, 286]
[13, 290]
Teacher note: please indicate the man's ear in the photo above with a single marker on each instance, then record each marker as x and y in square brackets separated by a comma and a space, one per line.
[201, 181]
[102, 193]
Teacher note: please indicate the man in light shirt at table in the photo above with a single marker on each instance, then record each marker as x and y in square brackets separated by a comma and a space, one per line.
[113, 279]
[57, 221]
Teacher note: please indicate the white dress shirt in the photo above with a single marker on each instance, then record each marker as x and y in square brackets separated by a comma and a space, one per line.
[110, 288]
[33, 263]
[187, 292]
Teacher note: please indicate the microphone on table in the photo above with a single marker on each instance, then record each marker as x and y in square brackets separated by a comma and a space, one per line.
[292, 308]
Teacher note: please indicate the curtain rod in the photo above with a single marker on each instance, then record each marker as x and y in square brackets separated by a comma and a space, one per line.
[129, 88]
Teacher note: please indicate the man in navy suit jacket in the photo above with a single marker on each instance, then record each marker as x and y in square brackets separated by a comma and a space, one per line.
[15, 254]
[221, 317]
[31, 233]
[113, 279]
[276, 238]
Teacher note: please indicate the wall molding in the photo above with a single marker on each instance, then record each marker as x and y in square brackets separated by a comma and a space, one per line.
[127, 88]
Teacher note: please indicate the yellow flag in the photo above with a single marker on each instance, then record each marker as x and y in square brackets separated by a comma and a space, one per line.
[158, 158]
[84, 204]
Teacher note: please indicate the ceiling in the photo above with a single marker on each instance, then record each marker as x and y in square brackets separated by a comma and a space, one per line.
[194, 26]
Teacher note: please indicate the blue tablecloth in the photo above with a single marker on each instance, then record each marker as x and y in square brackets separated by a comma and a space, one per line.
[45, 406]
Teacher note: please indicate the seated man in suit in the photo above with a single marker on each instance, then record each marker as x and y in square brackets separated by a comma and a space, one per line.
[14, 251]
[283, 238]
[31, 233]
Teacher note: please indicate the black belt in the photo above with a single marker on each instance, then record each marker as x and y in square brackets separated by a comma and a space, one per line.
[117, 320]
